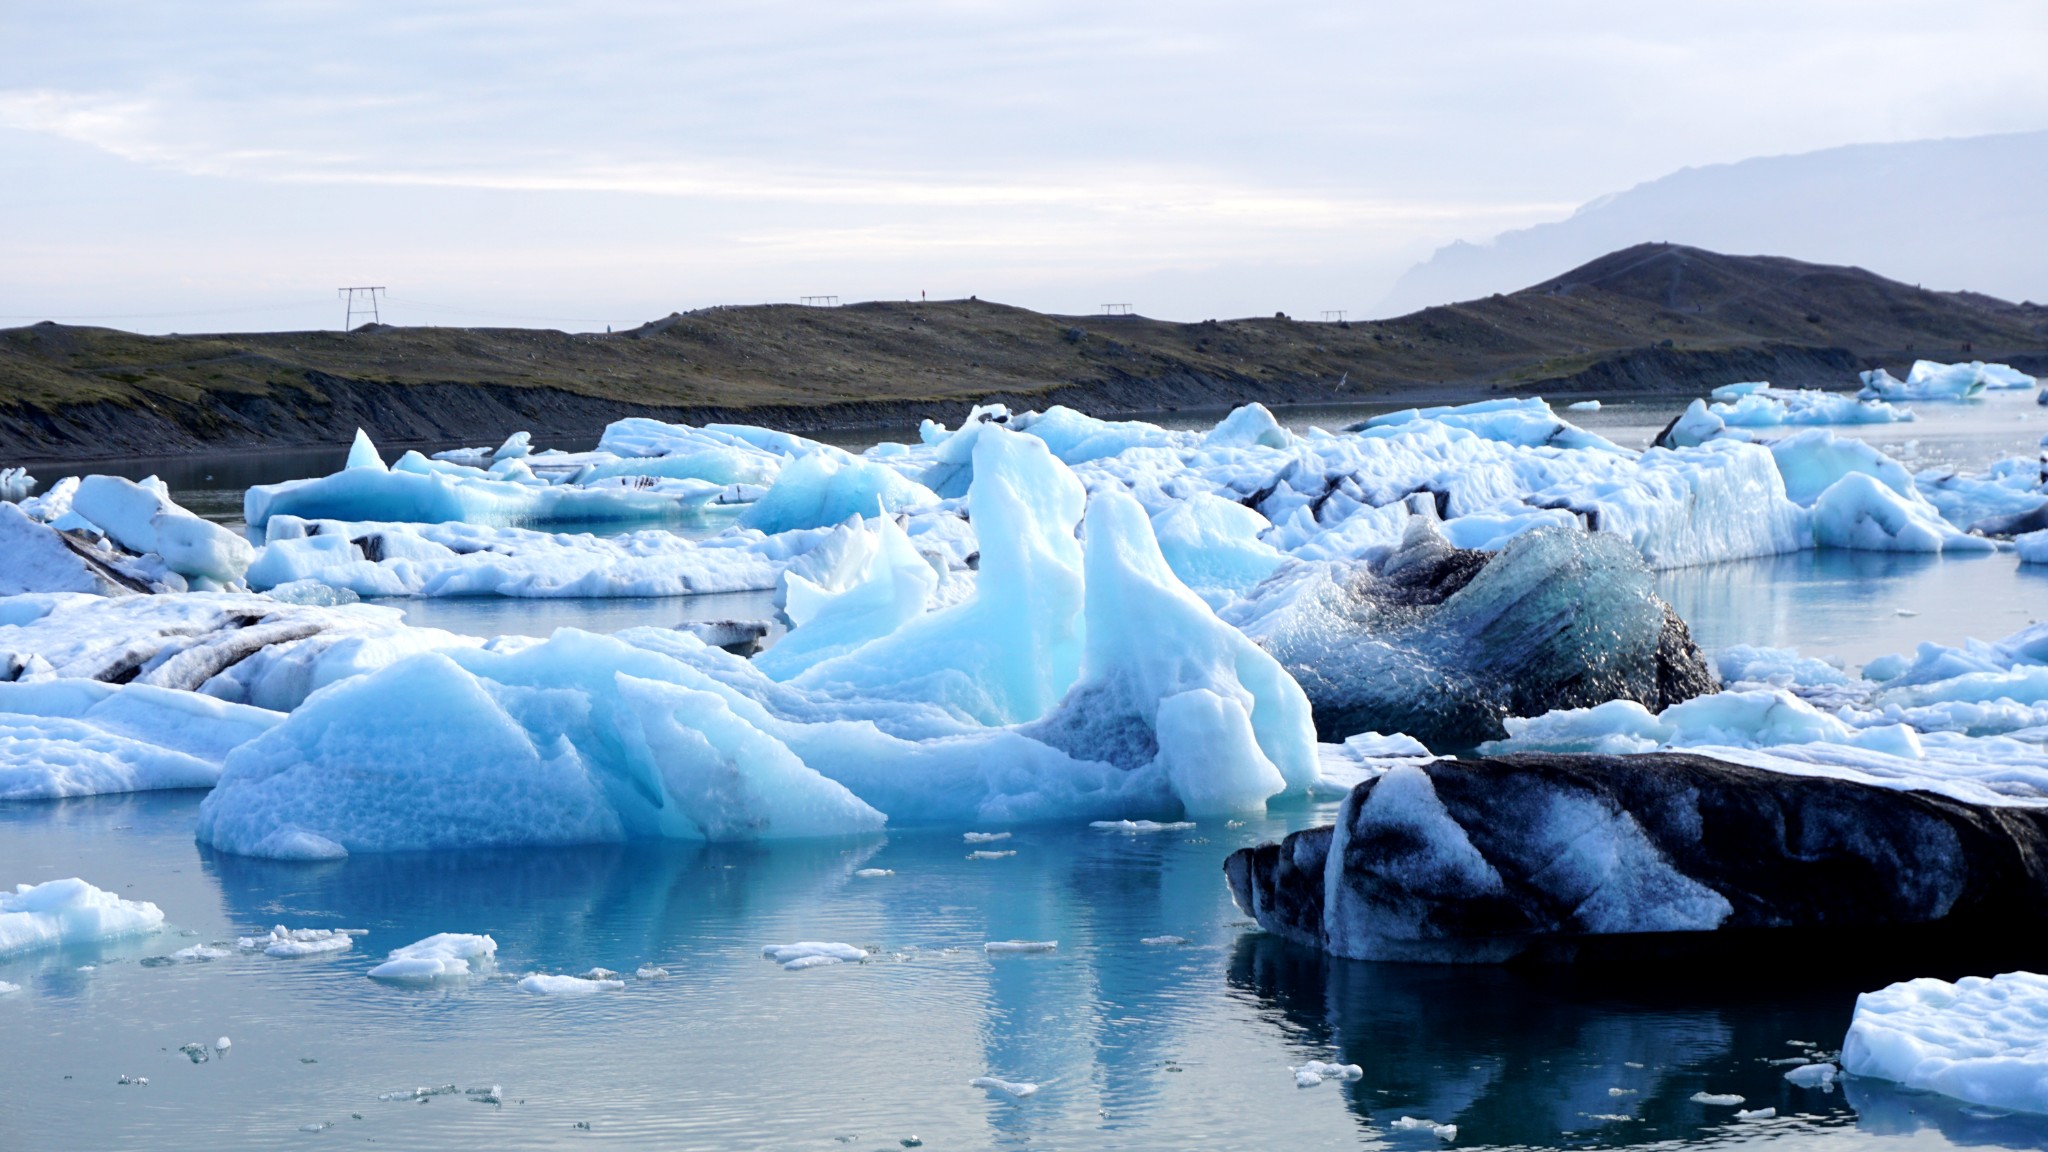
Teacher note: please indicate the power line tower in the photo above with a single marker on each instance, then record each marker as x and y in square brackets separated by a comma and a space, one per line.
[1116, 309]
[1333, 315]
[352, 309]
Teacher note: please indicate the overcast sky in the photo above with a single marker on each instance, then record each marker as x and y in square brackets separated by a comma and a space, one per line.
[217, 165]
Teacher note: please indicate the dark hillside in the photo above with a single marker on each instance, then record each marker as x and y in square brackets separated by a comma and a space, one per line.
[1648, 318]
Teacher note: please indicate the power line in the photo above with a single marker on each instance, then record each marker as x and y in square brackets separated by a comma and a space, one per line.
[369, 307]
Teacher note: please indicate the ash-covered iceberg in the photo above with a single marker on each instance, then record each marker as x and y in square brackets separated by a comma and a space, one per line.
[1444, 643]
[1593, 857]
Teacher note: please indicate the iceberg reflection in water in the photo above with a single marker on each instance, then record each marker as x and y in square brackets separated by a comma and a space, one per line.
[1132, 1044]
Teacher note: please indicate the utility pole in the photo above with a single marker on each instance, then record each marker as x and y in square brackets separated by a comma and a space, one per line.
[351, 309]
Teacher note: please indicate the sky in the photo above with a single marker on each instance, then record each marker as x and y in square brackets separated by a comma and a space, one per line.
[228, 164]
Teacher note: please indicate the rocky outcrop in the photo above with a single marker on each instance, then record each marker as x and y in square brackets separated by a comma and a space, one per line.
[1443, 643]
[1656, 856]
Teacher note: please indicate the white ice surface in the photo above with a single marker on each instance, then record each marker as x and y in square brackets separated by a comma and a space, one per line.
[58, 913]
[85, 738]
[445, 956]
[1982, 1041]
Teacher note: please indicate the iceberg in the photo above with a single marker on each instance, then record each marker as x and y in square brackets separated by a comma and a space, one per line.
[1762, 406]
[825, 488]
[1927, 380]
[1978, 1040]
[60, 913]
[84, 738]
[445, 956]
[16, 483]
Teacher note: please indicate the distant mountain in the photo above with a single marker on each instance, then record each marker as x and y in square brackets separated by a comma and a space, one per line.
[1650, 318]
[1952, 214]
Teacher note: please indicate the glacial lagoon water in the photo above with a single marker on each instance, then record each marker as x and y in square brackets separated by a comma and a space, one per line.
[1133, 1044]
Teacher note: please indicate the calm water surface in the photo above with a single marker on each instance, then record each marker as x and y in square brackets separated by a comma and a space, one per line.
[1134, 1045]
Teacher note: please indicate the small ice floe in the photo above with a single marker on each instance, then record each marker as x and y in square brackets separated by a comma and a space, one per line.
[491, 1095]
[650, 972]
[202, 952]
[138, 1081]
[812, 954]
[984, 837]
[1136, 826]
[542, 984]
[873, 873]
[1814, 1076]
[420, 1093]
[1164, 941]
[290, 942]
[1010, 1088]
[1723, 1099]
[1622, 1091]
[222, 1045]
[600, 974]
[1315, 1072]
[1411, 1124]
[444, 956]
[317, 1126]
[197, 1053]
[1583, 406]
[998, 947]
[985, 854]
[1755, 1113]
[61, 912]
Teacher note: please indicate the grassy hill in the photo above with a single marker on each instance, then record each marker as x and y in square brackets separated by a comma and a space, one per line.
[1648, 318]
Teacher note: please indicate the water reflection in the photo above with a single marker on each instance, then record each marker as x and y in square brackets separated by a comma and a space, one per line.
[1519, 1057]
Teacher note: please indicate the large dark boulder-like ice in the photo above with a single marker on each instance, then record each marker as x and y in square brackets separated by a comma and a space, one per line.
[1656, 856]
[1442, 643]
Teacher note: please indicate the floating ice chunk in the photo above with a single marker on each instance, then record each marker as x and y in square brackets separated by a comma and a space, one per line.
[443, 956]
[83, 738]
[879, 584]
[991, 854]
[1011, 1088]
[1813, 461]
[1814, 1076]
[421, 1093]
[35, 558]
[1411, 1124]
[1978, 1040]
[138, 1081]
[1001, 947]
[1076, 438]
[826, 488]
[1140, 826]
[417, 490]
[1525, 422]
[1928, 380]
[363, 454]
[873, 873]
[124, 509]
[1213, 543]
[292, 942]
[812, 953]
[1248, 426]
[1583, 406]
[16, 483]
[541, 984]
[1693, 427]
[984, 837]
[1721, 1099]
[1860, 511]
[222, 1045]
[2032, 547]
[1765, 407]
[202, 952]
[1164, 941]
[67, 912]
[1756, 1114]
[650, 972]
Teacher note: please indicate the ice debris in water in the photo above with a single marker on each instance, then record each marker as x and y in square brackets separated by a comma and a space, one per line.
[66, 912]
[443, 956]
[984, 837]
[1136, 826]
[542, 984]
[222, 1045]
[995, 947]
[136, 1080]
[1755, 1113]
[492, 1095]
[1724, 1099]
[1411, 1124]
[197, 1053]
[873, 873]
[1316, 1071]
[812, 954]
[290, 942]
[420, 1093]
[201, 952]
[317, 1126]
[1978, 1040]
[1011, 1088]
[991, 854]
[1164, 941]
[1814, 1076]
[650, 972]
